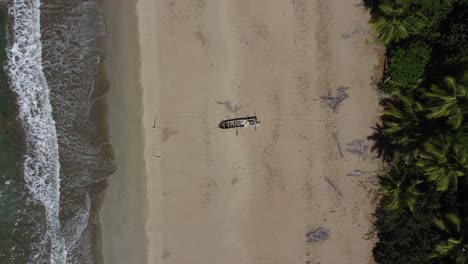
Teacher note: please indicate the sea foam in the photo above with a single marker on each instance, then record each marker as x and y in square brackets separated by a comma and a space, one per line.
[41, 161]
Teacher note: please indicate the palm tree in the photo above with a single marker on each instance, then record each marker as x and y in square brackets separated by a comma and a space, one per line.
[394, 23]
[399, 186]
[382, 144]
[402, 120]
[403, 125]
[443, 161]
[455, 248]
[449, 100]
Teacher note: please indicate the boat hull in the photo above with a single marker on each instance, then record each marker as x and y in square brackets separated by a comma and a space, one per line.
[240, 122]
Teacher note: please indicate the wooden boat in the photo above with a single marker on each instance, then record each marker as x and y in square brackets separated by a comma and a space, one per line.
[249, 121]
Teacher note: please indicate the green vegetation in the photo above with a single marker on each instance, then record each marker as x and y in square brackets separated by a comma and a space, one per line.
[408, 236]
[423, 134]
[400, 186]
[393, 22]
[450, 101]
[408, 63]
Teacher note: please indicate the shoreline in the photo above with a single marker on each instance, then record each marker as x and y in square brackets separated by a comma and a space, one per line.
[123, 211]
[149, 74]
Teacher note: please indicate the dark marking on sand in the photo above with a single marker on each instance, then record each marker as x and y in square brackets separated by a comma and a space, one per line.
[166, 254]
[230, 106]
[262, 32]
[359, 148]
[207, 191]
[234, 180]
[200, 36]
[334, 101]
[337, 142]
[167, 133]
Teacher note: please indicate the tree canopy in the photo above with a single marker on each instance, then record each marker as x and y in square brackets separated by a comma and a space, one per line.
[423, 134]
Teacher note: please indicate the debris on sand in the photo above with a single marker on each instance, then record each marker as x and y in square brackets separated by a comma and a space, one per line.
[356, 173]
[358, 147]
[318, 235]
[373, 180]
[369, 184]
[348, 34]
[232, 107]
[334, 102]
[338, 145]
[333, 187]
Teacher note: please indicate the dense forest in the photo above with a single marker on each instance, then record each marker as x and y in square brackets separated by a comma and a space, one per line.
[423, 134]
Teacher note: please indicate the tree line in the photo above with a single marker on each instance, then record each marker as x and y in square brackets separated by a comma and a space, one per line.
[423, 133]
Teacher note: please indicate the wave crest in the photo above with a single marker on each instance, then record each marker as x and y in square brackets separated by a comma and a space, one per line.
[41, 162]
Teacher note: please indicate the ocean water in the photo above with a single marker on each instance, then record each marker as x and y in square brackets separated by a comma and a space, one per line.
[54, 66]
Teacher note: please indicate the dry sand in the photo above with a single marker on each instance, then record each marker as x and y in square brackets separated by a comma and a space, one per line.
[214, 197]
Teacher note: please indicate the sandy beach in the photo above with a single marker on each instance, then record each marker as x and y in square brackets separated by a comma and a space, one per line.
[186, 191]
[123, 211]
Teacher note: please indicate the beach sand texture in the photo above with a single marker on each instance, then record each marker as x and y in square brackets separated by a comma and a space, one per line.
[212, 196]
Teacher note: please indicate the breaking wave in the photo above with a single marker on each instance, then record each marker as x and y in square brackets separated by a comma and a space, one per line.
[41, 162]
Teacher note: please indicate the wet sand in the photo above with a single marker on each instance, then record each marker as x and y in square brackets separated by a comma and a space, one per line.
[124, 206]
[211, 196]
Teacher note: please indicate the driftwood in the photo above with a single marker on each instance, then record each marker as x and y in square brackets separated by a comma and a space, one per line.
[358, 147]
[373, 180]
[335, 138]
[348, 34]
[370, 183]
[318, 235]
[384, 70]
[356, 173]
[333, 187]
[334, 102]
